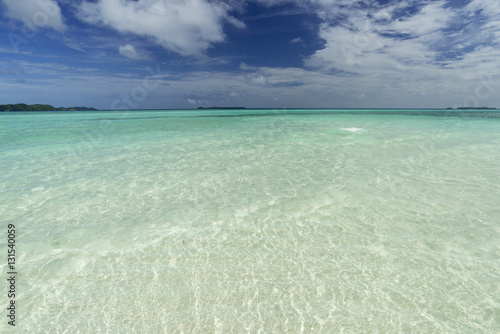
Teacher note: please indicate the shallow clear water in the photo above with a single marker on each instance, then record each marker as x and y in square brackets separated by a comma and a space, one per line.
[248, 221]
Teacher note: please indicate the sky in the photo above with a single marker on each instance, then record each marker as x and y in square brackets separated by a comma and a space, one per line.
[183, 54]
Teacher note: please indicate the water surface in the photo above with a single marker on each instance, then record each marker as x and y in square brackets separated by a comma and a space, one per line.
[248, 221]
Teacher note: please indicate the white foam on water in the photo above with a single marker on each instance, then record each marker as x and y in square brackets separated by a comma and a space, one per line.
[351, 129]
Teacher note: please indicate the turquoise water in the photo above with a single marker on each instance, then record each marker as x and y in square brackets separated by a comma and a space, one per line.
[253, 221]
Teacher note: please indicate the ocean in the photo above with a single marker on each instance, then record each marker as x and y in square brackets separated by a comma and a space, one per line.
[252, 221]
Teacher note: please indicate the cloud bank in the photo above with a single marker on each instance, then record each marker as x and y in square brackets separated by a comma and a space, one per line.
[366, 53]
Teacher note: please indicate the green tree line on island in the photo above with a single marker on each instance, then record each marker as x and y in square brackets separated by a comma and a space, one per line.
[39, 107]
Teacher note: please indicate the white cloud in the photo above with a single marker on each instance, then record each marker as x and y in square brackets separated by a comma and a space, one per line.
[130, 51]
[345, 48]
[379, 45]
[36, 13]
[373, 37]
[257, 80]
[284, 87]
[8, 50]
[187, 27]
[433, 17]
[375, 56]
[246, 67]
[429, 56]
[490, 9]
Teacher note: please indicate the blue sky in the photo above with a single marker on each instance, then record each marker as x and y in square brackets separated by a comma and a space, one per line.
[126, 54]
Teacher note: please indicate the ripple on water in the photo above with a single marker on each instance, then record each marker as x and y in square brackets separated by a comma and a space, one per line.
[264, 224]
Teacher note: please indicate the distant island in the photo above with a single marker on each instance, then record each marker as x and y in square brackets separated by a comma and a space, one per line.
[39, 107]
[472, 108]
[221, 107]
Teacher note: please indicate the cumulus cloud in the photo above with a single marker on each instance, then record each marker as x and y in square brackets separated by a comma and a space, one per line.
[375, 37]
[400, 54]
[395, 54]
[404, 33]
[130, 51]
[187, 27]
[36, 13]
[387, 44]
[409, 49]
